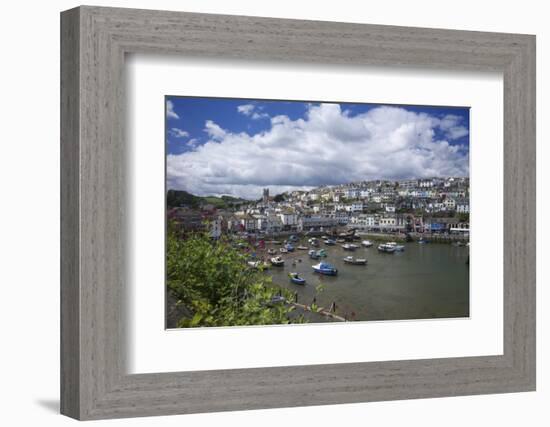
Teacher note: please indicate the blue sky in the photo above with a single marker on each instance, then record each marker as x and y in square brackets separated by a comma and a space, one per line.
[239, 146]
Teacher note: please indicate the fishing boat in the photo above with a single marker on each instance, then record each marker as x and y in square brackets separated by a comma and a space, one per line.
[295, 278]
[321, 253]
[277, 261]
[366, 243]
[301, 248]
[325, 268]
[289, 247]
[355, 261]
[384, 247]
[341, 240]
[330, 242]
[271, 251]
[349, 247]
[313, 254]
[283, 250]
[293, 238]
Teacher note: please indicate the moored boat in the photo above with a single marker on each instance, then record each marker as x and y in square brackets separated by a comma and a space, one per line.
[254, 264]
[271, 251]
[387, 248]
[366, 243]
[355, 261]
[313, 254]
[313, 242]
[301, 248]
[398, 248]
[283, 250]
[295, 278]
[277, 261]
[289, 247]
[330, 242]
[349, 247]
[321, 253]
[325, 268]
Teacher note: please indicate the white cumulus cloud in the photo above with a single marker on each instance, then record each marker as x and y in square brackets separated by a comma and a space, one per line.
[178, 133]
[328, 146]
[252, 111]
[170, 113]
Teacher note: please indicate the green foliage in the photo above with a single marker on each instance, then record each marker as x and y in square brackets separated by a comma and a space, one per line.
[177, 198]
[211, 279]
[464, 217]
[279, 198]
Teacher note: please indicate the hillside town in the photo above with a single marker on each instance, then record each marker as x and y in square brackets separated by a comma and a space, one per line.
[435, 206]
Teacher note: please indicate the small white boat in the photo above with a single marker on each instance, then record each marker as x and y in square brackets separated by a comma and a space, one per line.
[398, 248]
[302, 248]
[254, 264]
[271, 251]
[366, 243]
[385, 247]
[283, 250]
[349, 247]
[355, 261]
[277, 261]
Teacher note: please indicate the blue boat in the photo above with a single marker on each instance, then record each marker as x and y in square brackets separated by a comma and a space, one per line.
[321, 253]
[294, 278]
[289, 247]
[325, 268]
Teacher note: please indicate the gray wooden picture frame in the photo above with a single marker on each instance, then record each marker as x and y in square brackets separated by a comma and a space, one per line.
[94, 382]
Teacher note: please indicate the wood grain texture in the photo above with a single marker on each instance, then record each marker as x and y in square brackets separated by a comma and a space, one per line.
[94, 381]
[70, 221]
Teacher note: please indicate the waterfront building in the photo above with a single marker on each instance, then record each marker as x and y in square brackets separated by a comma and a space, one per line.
[462, 205]
[316, 222]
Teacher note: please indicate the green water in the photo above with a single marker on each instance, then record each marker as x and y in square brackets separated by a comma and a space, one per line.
[424, 281]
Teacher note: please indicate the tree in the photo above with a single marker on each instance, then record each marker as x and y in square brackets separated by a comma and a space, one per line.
[279, 198]
[464, 217]
[213, 282]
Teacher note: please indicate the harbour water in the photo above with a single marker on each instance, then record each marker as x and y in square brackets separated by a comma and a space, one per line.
[424, 281]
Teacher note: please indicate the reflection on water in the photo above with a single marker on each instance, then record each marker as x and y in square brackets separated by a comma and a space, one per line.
[424, 281]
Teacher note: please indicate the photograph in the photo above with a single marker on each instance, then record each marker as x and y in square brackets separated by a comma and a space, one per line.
[293, 212]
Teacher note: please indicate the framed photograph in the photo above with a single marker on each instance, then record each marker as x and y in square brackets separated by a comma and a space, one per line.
[261, 213]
